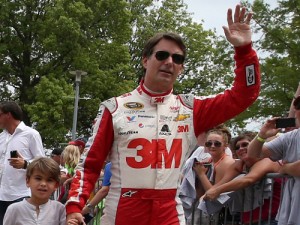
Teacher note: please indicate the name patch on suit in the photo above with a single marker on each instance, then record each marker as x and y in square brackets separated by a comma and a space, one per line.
[250, 75]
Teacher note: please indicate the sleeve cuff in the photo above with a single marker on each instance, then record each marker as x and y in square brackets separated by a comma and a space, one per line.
[243, 50]
[73, 209]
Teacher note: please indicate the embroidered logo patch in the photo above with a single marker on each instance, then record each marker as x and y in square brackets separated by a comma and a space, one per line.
[134, 105]
[128, 193]
[250, 75]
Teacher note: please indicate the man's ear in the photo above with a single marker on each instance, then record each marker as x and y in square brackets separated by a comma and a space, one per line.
[182, 69]
[145, 62]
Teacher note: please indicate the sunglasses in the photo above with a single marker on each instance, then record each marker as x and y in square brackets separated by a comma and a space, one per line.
[163, 55]
[242, 145]
[215, 143]
[296, 103]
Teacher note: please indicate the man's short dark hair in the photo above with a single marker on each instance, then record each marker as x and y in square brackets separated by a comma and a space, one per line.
[152, 42]
[57, 151]
[13, 108]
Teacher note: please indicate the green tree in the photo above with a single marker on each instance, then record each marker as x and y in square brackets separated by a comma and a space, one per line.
[279, 30]
[50, 38]
[42, 41]
[52, 108]
[209, 65]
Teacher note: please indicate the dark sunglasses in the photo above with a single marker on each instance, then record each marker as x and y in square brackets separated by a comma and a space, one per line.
[215, 143]
[297, 103]
[242, 145]
[163, 55]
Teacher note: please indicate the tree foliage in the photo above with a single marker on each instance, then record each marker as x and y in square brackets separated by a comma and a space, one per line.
[47, 38]
[279, 30]
[43, 40]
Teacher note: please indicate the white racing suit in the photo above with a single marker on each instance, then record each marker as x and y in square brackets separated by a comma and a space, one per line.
[148, 138]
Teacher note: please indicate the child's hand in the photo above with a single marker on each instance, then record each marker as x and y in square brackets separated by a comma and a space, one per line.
[75, 219]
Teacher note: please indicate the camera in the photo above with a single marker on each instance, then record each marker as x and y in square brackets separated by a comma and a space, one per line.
[285, 122]
[14, 154]
[207, 165]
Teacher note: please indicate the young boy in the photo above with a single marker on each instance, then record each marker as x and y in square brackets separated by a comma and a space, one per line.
[42, 177]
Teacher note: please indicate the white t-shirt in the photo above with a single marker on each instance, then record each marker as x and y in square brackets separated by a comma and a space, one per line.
[24, 213]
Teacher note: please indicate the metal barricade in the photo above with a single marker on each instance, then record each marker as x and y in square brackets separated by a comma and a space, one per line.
[264, 214]
[228, 217]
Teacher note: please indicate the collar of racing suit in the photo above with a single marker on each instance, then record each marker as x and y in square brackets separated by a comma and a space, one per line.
[154, 98]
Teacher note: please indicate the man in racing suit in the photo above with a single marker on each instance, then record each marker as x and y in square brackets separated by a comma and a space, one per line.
[149, 132]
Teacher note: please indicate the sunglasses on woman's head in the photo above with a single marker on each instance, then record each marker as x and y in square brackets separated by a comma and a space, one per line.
[242, 145]
[215, 143]
[163, 55]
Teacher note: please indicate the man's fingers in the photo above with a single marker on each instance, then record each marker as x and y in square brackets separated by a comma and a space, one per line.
[229, 17]
[237, 14]
[242, 15]
[248, 18]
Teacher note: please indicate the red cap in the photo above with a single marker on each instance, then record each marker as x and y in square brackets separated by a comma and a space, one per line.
[78, 142]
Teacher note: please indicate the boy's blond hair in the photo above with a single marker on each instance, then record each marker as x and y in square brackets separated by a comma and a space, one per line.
[44, 165]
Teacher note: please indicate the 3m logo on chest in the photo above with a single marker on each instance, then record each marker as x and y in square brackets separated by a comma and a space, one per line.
[154, 153]
[183, 129]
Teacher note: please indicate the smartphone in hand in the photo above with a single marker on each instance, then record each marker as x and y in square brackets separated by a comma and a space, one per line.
[285, 122]
[207, 165]
[14, 154]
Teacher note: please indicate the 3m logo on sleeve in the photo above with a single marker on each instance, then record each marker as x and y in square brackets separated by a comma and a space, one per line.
[250, 75]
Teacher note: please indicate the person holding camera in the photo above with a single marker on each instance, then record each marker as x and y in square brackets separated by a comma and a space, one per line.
[19, 144]
[285, 147]
[209, 171]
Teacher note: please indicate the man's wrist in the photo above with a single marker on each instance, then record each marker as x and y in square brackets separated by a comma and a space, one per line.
[244, 49]
[90, 207]
[25, 164]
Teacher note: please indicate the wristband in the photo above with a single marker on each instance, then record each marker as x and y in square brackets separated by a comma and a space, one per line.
[25, 164]
[260, 139]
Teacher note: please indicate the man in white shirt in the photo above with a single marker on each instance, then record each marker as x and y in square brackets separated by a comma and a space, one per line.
[27, 143]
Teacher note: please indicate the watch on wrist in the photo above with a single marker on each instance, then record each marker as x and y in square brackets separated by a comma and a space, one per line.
[25, 164]
[90, 207]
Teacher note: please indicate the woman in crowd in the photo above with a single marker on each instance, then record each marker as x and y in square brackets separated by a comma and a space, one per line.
[255, 171]
[210, 170]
